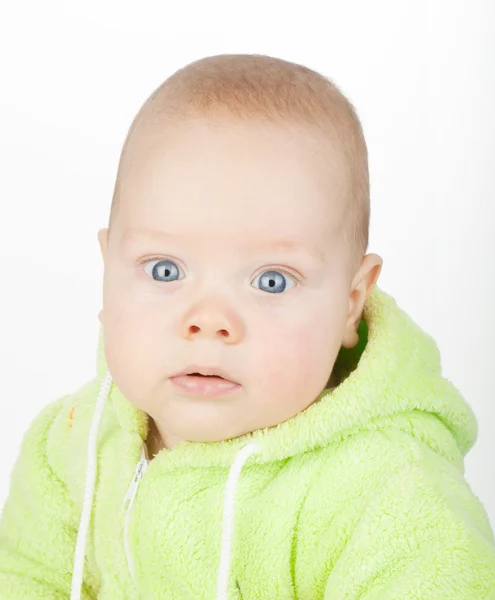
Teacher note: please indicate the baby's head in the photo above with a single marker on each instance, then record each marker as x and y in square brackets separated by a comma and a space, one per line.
[236, 240]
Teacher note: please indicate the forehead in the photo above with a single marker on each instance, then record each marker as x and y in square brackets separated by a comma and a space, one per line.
[251, 181]
[274, 155]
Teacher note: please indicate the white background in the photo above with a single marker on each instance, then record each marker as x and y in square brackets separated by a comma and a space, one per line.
[74, 74]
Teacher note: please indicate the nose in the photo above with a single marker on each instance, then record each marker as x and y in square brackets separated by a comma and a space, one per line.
[215, 320]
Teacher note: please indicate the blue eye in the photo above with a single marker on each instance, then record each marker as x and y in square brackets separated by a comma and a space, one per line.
[163, 270]
[272, 281]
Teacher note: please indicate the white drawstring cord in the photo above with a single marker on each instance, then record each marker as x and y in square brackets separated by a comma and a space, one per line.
[77, 575]
[228, 519]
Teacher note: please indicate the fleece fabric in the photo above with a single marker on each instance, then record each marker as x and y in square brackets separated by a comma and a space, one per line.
[360, 496]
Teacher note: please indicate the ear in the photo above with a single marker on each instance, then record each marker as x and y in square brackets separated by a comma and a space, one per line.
[363, 285]
[103, 239]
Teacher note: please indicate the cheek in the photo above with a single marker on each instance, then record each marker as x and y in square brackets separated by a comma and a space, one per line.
[287, 359]
[130, 357]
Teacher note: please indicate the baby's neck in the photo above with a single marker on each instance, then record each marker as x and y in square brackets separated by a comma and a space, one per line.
[154, 441]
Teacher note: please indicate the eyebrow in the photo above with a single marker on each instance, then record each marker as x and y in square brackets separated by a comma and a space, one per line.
[291, 244]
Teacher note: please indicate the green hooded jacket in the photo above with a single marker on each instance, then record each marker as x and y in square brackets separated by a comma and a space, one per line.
[360, 496]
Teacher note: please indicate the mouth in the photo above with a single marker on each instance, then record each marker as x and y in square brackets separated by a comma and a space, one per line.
[207, 373]
[199, 384]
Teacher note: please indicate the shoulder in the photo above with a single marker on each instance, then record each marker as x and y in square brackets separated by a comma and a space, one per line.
[49, 439]
[383, 500]
[38, 437]
[389, 471]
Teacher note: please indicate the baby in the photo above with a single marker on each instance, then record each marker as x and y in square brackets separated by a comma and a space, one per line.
[265, 422]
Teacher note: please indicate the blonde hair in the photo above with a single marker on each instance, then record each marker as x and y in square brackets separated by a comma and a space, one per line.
[253, 86]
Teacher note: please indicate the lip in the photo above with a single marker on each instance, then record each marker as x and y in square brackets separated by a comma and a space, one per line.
[204, 386]
[218, 371]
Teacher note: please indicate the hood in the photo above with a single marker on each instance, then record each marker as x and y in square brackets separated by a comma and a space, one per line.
[393, 371]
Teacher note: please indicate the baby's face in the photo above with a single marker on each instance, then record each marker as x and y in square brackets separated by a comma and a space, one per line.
[199, 270]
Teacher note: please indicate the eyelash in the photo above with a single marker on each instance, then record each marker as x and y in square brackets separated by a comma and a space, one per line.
[144, 261]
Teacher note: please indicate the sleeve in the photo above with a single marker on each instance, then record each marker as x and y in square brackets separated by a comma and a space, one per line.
[39, 523]
[423, 535]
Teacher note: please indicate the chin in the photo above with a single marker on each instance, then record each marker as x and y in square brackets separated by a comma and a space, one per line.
[205, 421]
